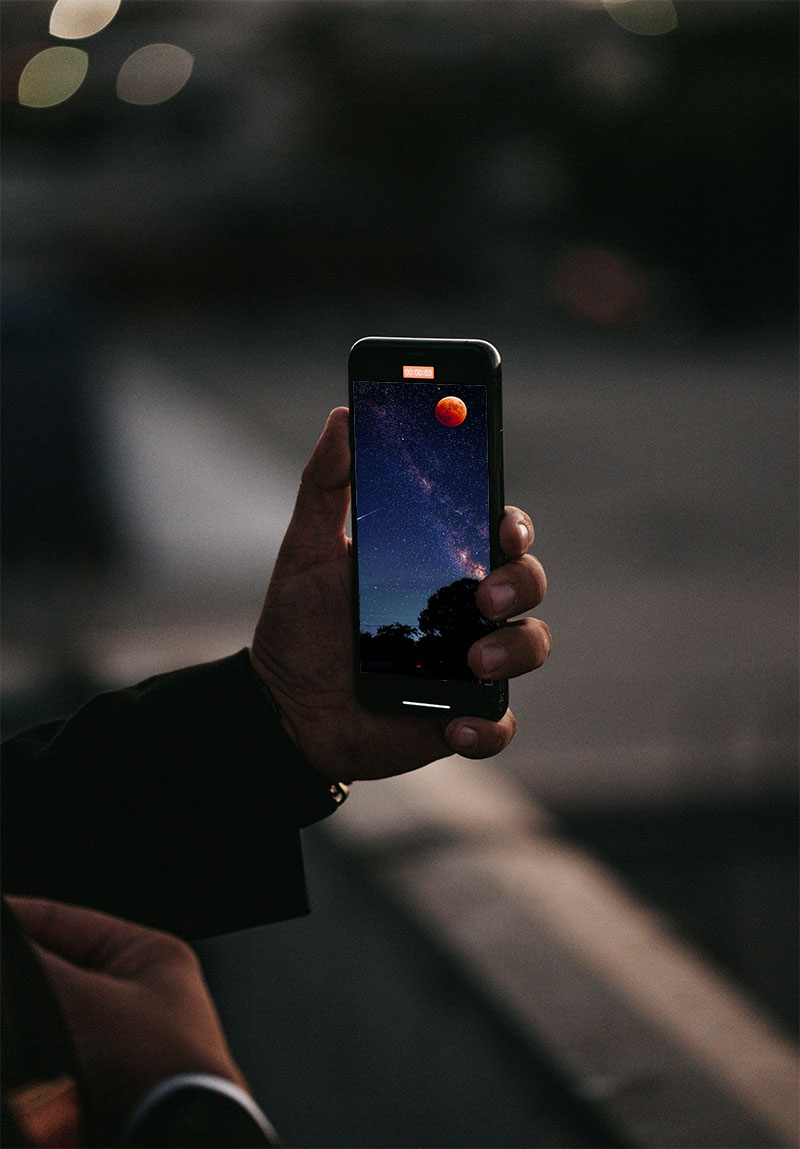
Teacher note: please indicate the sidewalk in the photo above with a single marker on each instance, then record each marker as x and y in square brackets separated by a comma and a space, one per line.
[468, 977]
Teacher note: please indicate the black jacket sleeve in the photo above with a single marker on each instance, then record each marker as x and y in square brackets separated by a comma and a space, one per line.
[176, 803]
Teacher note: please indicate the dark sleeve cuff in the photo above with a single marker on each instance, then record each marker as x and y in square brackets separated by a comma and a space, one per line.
[312, 796]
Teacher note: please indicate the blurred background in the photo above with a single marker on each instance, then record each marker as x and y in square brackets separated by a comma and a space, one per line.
[206, 202]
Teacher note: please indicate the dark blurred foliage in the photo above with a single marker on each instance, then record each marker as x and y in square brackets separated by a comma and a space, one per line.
[430, 147]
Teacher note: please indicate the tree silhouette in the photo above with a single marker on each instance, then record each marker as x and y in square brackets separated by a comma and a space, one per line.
[450, 623]
[391, 650]
[437, 647]
[396, 630]
[449, 607]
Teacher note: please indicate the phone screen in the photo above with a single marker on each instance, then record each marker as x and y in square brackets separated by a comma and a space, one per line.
[422, 524]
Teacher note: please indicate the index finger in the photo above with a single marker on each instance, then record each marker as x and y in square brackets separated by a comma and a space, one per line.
[71, 931]
[516, 532]
[89, 938]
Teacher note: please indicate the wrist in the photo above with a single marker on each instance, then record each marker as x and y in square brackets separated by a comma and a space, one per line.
[315, 795]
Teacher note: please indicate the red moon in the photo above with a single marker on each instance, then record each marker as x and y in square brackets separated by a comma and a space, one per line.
[451, 411]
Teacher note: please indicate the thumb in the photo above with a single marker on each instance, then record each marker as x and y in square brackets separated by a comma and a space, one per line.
[323, 500]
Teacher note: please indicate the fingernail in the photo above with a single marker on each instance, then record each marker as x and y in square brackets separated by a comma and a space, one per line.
[467, 738]
[492, 658]
[501, 598]
[524, 534]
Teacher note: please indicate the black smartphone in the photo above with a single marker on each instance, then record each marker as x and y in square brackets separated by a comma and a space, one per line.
[427, 499]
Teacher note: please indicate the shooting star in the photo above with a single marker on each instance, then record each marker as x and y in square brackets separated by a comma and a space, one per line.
[366, 516]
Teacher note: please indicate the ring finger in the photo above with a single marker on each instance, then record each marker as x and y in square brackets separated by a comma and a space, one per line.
[513, 650]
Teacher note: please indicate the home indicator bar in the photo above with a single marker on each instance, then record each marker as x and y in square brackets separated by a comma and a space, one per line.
[430, 705]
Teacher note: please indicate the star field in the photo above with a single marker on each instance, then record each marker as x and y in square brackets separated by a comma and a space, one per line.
[421, 492]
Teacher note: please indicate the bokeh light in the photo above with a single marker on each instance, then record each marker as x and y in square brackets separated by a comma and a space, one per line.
[76, 19]
[52, 76]
[643, 17]
[599, 286]
[154, 73]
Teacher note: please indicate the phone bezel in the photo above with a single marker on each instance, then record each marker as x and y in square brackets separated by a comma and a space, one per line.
[460, 361]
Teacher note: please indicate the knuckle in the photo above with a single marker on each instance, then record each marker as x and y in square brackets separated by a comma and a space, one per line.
[531, 642]
[543, 640]
[175, 952]
[542, 574]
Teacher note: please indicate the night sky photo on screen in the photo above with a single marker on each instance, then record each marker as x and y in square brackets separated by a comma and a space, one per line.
[422, 518]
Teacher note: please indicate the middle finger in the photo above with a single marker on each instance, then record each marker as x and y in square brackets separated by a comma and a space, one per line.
[511, 589]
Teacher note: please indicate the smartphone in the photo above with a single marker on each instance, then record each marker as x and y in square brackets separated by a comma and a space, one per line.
[427, 499]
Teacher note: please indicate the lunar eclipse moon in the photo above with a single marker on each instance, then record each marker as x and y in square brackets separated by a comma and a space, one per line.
[451, 411]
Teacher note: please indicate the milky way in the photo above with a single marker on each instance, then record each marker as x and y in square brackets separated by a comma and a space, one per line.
[421, 496]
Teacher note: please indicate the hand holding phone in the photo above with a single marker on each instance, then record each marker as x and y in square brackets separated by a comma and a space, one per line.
[303, 643]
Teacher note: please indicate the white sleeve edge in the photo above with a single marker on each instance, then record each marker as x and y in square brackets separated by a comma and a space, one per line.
[209, 1081]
